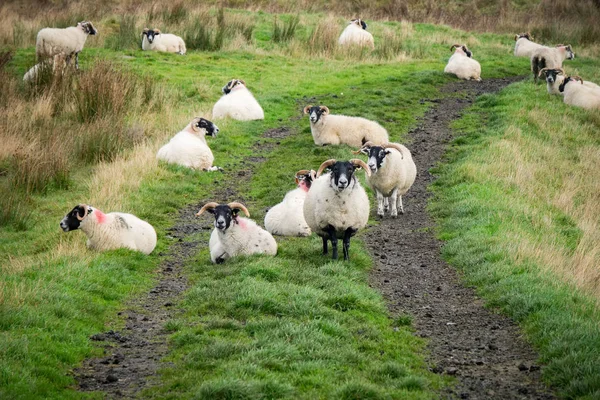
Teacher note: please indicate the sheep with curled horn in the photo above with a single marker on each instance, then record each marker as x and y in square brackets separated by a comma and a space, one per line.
[393, 172]
[336, 205]
[462, 64]
[575, 93]
[234, 235]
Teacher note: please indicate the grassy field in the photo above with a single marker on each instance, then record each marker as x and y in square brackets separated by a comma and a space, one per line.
[298, 325]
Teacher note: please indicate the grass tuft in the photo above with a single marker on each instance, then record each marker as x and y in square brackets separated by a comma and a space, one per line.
[285, 32]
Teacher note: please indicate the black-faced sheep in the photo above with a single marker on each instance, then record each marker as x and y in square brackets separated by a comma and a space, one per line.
[578, 95]
[155, 40]
[238, 103]
[356, 34]
[547, 57]
[462, 64]
[52, 41]
[110, 231]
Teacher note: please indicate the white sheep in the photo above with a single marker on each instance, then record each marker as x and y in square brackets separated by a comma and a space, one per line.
[340, 129]
[233, 235]
[556, 76]
[356, 34]
[336, 205]
[524, 47]
[393, 172]
[578, 95]
[287, 217]
[110, 231]
[52, 41]
[238, 103]
[189, 147]
[462, 65]
[547, 57]
[155, 40]
[58, 64]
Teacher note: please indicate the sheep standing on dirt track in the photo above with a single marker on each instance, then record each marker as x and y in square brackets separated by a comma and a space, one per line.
[393, 172]
[155, 40]
[462, 65]
[287, 217]
[337, 206]
[189, 147]
[234, 236]
[340, 129]
[58, 63]
[578, 95]
[238, 103]
[356, 34]
[546, 57]
[110, 231]
[52, 41]
[524, 47]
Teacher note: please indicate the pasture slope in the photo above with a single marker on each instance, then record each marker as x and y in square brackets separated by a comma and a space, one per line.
[76, 324]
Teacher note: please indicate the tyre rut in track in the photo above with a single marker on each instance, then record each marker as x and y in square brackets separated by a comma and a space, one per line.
[484, 350]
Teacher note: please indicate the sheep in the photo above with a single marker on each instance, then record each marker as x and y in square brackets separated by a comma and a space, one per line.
[555, 76]
[546, 57]
[110, 231]
[340, 129]
[356, 34]
[336, 205]
[462, 64]
[155, 40]
[238, 103]
[524, 46]
[234, 236]
[189, 147]
[58, 64]
[52, 41]
[287, 217]
[580, 95]
[393, 172]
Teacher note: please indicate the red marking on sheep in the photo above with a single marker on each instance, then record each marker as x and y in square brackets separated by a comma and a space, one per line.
[302, 185]
[242, 222]
[100, 216]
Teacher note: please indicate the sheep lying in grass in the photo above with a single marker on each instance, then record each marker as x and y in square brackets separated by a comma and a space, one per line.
[546, 57]
[110, 231]
[238, 103]
[578, 95]
[337, 206]
[57, 65]
[556, 76]
[189, 147]
[234, 236]
[462, 64]
[340, 129]
[356, 34]
[155, 40]
[52, 41]
[287, 217]
[524, 46]
[393, 172]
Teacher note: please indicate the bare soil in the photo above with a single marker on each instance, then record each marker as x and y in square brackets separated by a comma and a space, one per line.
[484, 350]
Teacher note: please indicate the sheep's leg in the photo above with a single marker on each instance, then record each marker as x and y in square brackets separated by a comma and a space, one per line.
[347, 235]
[333, 237]
[386, 204]
[394, 207]
[77, 60]
[380, 201]
[324, 245]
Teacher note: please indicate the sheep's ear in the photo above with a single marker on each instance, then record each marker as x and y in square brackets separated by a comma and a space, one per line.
[387, 151]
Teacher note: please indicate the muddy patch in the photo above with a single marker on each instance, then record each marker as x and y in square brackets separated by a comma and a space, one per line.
[485, 351]
[278, 133]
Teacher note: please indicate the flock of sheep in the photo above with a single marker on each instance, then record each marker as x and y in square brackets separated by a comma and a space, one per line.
[330, 201]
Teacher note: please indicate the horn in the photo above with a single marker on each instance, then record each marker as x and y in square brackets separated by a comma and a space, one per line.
[307, 108]
[577, 78]
[454, 46]
[240, 206]
[243, 83]
[394, 146]
[543, 70]
[562, 71]
[326, 164]
[85, 211]
[207, 206]
[360, 163]
[367, 144]
[303, 172]
[325, 109]
[516, 37]
[156, 30]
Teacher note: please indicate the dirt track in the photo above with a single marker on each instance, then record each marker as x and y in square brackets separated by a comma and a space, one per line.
[484, 350]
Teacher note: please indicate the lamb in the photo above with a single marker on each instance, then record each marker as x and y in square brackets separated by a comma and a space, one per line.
[356, 34]
[52, 41]
[238, 103]
[287, 217]
[579, 95]
[393, 172]
[110, 231]
[189, 147]
[155, 40]
[524, 47]
[336, 205]
[546, 57]
[234, 236]
[58, 64]
[340, 129]
[462, 64]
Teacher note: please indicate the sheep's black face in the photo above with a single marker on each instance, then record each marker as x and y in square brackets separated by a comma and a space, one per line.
[525, 35]
[223, 216]
[315, 113]
[151, 34]
[70, 222]
[551, 75]
[467, 52]
[88, 28]
[231, 84]
[342, 175]
[210, 128]
[376, 157]
[570, 54]
[561, 87]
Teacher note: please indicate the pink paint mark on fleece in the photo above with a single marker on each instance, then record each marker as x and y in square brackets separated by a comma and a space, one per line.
[302, 185]
[242, 222]
[100, 216]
